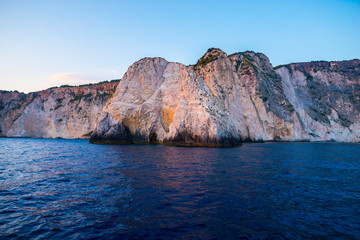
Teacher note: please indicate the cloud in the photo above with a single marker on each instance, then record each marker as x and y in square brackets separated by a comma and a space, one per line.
[71, 79]
[75, 79]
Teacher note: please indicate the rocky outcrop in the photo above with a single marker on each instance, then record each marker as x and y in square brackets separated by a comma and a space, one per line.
[252, 93]
[161, 102]
[65, 112]
[224, 100]
[326, 97]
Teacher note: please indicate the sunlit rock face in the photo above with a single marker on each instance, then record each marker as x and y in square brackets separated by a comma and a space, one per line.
[161, 102]
[326, 97]
[224, 100]
[67, 112]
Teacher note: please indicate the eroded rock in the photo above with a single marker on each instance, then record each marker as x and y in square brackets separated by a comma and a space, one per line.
[65, 112]
[224, 100]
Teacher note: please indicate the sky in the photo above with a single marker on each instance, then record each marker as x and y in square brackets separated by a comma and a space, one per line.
[51, 43]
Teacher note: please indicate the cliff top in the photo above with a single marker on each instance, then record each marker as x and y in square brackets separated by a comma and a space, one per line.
[62, 87]
[354, 61]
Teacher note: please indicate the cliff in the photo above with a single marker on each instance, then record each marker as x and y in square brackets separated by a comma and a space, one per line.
[161, 102]
[326, 97]
[220, 101]
[224, 100]
[65, 112]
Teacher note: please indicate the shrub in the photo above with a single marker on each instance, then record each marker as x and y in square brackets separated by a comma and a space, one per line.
[58, 106]
[76, 98]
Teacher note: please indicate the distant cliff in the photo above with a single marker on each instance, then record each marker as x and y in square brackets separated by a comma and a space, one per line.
[224, 100]
[65, 112]
[326, 97]
[220, 101]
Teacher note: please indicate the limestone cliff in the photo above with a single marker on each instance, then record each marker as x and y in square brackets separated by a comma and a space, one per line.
[220, 101]
[65, 112]
[326, 97]
[252, 92]
[161, 102]
[224, 100]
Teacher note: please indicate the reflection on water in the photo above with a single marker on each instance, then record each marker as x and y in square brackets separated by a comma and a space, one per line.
[74, 190]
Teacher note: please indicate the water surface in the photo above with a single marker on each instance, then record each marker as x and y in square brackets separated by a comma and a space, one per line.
[70, 189]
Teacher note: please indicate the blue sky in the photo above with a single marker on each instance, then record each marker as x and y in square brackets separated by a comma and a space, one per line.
[49, 43]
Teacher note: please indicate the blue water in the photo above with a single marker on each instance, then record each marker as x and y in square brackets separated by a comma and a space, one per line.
[69, 189]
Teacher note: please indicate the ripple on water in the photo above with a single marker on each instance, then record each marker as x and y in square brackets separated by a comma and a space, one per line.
[54, 189]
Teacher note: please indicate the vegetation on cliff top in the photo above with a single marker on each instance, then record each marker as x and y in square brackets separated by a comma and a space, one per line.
[86, 85]
[237, 53]
[207, 58]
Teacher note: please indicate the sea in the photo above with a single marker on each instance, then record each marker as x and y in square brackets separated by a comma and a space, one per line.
[70, 189]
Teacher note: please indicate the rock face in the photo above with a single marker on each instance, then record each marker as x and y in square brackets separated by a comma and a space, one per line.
[66, 112]
[220, 101]
[161, 102]
[326, 97]
[224, 100]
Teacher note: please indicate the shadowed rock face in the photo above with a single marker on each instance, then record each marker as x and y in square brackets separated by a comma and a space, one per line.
[252, 93]
[326, 96]
[66, 112]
